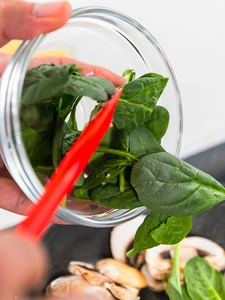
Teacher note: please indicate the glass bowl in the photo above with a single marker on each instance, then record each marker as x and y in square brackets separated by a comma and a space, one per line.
[99, 36]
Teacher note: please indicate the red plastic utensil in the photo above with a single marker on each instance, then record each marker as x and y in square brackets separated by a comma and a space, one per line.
[68, 171]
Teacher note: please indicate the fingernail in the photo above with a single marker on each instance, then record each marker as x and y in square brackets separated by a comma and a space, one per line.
[44, 10]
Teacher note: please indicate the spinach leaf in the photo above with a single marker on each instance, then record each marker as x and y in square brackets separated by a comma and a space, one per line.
[103, 174]
[184, 292]
[70, 130]
[203, 281]
[97, 88]
[159, 228]
[139, 141]
[143, 238]
[81, 193]
[110, 196]
[166, 184]
[57, 140]
[142, 141]
[138, 101]
[66, 104]
[47, 171]
[44, 82]
[158, 122]
[68, 139]
[50, 94]
[109, 141]
[35, 143]
[172, 231]
[39, 117]
[107, 171]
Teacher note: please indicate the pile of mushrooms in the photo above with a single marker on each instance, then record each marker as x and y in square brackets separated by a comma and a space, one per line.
[108, 278]
[122, 278]
[156, 263]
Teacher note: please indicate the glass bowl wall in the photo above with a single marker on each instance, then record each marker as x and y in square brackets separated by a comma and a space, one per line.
[99, 36]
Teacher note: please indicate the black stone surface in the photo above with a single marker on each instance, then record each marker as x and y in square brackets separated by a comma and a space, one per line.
[71, 242]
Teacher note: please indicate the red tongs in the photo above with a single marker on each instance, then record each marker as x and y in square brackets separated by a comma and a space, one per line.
[66, 174]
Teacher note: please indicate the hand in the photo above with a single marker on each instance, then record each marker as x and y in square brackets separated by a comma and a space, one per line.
[12, 198]
[23, 265]
[24, 268]
[24, 20]
[33, 19]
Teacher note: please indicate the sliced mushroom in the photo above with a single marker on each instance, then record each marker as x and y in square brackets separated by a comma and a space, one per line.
[159, 259]
[159, 262]
[73, 264]
[121, 273]
[206, 248]
[122, 293]
[155, 284]
[93, 277]
[71, 285]
[122, 237]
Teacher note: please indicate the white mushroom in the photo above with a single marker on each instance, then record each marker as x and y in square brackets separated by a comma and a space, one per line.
[155, 284]
[206, 248]
[159, 262]
[92, 276]
[122, 237]
[122, 293]
[73, 264]
[121, 273]
[71, 285]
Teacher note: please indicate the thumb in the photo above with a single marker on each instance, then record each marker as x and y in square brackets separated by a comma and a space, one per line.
[23, 265]
[23, 20]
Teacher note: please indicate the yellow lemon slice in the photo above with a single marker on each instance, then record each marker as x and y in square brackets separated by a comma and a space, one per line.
[12, 46]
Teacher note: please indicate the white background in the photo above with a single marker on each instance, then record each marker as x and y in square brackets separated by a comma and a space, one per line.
[192, 34]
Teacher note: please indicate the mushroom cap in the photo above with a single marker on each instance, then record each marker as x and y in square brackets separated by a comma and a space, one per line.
[74, 263]
[121, 273]
[121, 292]
[71, 285]
[206, 248]
[122, 237]
[159, 259]
[92, 276]
[155, 284]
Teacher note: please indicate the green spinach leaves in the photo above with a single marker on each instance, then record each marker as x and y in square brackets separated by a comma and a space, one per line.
[130, 168]
[201, 280]
[50, 96]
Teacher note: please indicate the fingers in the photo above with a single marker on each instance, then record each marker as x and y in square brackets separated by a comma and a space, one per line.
[4, 60]
[23, 265]
[12, 198]
[24, 20]
[79, 295]
[87, 69]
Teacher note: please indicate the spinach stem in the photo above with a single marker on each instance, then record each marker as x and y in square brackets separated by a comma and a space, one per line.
[122, 181]
[118, 152]
[176, 268]
[73, 113]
